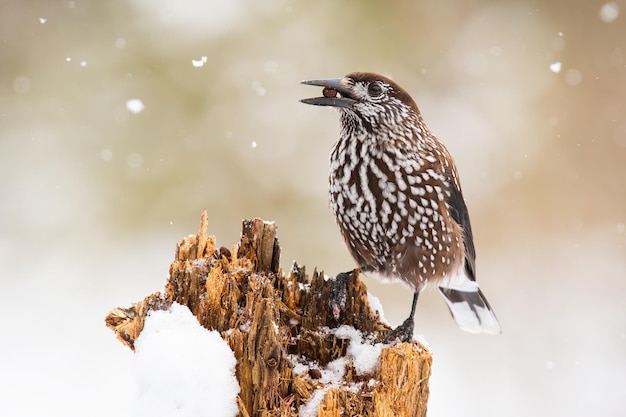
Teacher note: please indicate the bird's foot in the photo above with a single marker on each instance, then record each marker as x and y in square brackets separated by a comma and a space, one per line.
[338, 293]
[403, 333]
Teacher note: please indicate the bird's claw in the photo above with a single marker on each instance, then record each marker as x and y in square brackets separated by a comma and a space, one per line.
[403, 333]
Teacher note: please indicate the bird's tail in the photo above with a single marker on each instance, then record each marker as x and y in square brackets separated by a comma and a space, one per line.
[471, 311]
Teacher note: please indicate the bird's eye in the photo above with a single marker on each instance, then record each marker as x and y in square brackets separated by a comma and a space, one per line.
[374, 90]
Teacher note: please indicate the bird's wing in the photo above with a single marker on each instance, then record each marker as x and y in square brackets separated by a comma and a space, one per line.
[459, 212]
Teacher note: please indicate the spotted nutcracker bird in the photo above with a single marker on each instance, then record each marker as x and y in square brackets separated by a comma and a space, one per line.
[397, 198]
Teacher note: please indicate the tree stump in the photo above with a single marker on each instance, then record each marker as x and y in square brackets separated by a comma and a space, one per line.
[283, 331]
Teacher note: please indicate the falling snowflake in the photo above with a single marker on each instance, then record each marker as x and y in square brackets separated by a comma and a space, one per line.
[609, 12]
[200, 62]
[134, 105]
[555, 67]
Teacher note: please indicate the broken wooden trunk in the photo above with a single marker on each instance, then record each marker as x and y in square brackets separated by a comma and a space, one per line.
[283, 331]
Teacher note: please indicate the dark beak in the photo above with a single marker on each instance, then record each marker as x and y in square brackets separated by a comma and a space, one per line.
[343, 100]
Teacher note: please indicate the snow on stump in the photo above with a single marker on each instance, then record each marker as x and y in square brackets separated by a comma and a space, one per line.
[296, 356]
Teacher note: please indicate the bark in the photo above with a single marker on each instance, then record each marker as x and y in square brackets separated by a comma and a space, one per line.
[281, 329]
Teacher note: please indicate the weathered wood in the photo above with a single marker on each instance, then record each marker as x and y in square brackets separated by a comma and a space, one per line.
[281, 329]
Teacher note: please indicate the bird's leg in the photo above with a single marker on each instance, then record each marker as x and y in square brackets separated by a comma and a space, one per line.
[338, 293]
[404, 332]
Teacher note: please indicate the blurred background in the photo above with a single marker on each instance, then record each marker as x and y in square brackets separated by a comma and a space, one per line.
[121, 121]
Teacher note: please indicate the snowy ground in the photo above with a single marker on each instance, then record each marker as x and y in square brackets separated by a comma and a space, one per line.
[58, 358]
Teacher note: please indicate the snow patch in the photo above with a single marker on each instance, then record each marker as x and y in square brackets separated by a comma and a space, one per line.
[182, 369]
[309, 409]
[376, 306]
[364, 354]
[422, 341]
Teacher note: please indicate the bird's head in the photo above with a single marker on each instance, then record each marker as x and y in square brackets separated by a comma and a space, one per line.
[372, 99]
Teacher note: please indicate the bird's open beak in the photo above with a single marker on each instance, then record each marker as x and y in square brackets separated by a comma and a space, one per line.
[332, 87]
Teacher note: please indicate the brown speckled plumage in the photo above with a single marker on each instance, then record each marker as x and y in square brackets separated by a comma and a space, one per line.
[397, 198]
